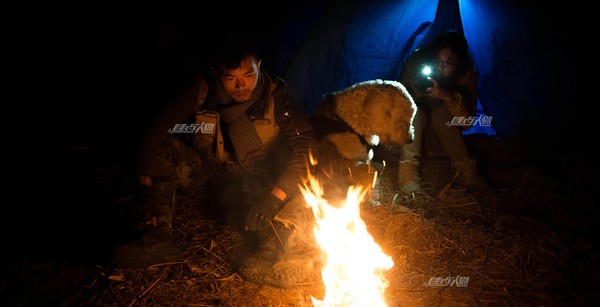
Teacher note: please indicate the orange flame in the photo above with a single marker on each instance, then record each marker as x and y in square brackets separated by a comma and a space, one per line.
[353, 263]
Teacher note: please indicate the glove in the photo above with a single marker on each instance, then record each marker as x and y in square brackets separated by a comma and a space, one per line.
[261, 214]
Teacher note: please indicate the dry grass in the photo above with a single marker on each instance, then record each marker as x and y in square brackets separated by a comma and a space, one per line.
[502, 241]
[519, 245]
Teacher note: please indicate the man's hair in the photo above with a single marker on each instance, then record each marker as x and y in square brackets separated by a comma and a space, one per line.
[228, 52]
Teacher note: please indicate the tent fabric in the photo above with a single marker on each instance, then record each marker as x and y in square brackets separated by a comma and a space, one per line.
[534, 60]
[512, 43]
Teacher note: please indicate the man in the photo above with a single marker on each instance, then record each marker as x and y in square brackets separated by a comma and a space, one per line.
[237, 144]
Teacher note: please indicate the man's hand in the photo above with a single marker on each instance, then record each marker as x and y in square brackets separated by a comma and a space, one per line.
[259, 216]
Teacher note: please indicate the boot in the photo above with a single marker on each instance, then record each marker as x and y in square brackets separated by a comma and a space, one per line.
[408, 177]
[283, 265]
[260, 264]
[154, 245]
[149, 245]
[466, 175]
[299, 266]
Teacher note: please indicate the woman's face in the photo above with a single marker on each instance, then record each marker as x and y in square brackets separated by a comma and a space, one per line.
[447, 62]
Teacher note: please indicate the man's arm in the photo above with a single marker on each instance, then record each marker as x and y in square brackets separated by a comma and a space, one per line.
[300, 136]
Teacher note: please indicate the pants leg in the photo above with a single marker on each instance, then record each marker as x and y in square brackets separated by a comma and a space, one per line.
[413, 150]
[180, 169]
[450, 138]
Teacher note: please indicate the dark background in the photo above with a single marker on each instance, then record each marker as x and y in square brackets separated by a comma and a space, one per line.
[86, 81]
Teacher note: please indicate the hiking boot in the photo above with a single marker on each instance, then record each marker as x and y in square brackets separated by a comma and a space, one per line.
[296, 267]
[283, 261]
[260, 264]
[468, 177]
[155, 246]
[408, 177]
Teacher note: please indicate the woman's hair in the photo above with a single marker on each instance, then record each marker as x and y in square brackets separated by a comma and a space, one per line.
[458, 43]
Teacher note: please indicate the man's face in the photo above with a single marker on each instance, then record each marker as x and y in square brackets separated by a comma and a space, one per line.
[240, 82]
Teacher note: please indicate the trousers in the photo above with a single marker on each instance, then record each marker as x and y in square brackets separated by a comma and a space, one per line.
[223, 190]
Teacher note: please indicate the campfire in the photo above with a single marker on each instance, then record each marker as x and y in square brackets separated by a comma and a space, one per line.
[354, 265]
[510, 258]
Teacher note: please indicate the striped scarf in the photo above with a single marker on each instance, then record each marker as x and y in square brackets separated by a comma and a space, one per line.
[246, 142]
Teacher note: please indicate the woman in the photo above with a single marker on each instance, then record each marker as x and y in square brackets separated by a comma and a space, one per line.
[446, 99]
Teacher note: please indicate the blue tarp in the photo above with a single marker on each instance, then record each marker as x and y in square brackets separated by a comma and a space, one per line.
[519, 49]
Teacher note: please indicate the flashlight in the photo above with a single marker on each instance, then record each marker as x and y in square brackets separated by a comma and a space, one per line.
[422, 82]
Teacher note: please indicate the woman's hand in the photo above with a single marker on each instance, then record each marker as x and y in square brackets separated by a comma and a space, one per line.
[438, 92]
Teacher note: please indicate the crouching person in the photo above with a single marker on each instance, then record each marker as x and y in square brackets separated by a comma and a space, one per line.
[449, 93]
[350, 123]
[235, 143]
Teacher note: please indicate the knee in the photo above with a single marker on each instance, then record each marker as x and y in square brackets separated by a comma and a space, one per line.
[440, 117]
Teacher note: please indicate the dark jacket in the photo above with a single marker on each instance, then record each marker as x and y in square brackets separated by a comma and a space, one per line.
[295, 131]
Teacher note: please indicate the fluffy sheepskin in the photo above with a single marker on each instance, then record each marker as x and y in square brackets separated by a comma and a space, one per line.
[375, 107]
[347, 121]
